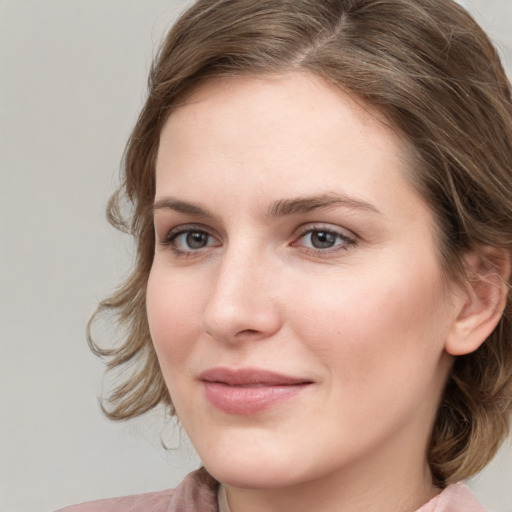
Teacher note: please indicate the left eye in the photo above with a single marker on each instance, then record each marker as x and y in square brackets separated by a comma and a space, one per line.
[322, 239]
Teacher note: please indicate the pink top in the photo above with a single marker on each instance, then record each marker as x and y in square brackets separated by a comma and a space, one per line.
[198, 493]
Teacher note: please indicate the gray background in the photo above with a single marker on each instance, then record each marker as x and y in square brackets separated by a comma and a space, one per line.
[72, 79]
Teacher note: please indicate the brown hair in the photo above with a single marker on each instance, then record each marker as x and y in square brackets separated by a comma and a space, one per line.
[437, 78]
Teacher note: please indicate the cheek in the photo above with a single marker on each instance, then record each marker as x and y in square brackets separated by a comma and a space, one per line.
[174, 313]
[391, 321]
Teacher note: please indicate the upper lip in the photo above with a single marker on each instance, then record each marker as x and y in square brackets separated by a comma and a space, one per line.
[247, 376]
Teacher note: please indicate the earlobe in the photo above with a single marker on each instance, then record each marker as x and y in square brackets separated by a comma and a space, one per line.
[481, 301]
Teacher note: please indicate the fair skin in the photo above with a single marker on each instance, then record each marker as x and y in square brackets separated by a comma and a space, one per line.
[289, 240]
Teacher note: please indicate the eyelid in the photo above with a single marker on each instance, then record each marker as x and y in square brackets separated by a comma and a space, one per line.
[347, 236]
[325, 226]
[175, 232]
[183, 228]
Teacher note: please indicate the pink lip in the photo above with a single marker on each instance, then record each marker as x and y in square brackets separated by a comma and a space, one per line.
[248, 391]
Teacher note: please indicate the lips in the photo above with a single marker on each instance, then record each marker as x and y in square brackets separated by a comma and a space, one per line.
[249, 391]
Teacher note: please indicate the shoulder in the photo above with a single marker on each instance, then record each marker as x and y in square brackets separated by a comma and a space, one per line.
[455, 498]
[150, 502]
[198, 489]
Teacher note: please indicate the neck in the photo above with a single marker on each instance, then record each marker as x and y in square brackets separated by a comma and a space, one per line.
[330, 498]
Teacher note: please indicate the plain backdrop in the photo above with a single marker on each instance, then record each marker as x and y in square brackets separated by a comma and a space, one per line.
[72, 79]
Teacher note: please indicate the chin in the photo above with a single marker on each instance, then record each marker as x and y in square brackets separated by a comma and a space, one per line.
[253, 474]
[251, 477]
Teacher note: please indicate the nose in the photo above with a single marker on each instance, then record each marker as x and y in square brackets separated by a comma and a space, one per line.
[242, 305]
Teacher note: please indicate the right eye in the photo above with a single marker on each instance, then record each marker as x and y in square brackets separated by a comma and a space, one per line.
[188, 241]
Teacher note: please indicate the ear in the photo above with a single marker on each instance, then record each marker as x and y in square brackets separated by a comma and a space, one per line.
[482, 300]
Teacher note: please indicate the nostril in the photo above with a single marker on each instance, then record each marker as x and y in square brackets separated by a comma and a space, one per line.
[248, 333]
[235, 319]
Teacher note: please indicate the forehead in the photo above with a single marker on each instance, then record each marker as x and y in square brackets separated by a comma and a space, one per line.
[269, 98]
[302, 105]
[282, 135]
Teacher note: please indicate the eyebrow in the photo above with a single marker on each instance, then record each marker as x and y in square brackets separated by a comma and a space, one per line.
[279, 208]
[169, 203]
[307, 204]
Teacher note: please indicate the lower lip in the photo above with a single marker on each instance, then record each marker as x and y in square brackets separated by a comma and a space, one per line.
[246, 400]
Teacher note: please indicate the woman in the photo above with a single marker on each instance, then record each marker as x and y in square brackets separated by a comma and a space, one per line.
[322, 202]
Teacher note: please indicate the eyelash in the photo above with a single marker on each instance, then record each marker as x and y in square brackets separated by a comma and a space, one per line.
[172, 236]
[347, 241]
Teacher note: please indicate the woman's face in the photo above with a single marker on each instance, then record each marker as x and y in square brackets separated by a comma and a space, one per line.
[296, 300]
